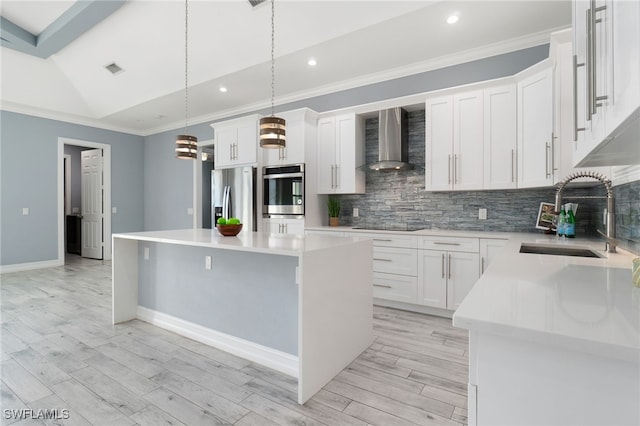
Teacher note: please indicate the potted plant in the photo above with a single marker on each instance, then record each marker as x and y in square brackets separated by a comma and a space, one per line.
[333, 205]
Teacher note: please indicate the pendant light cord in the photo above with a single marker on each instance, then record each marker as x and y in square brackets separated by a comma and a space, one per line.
[273, 61]
[186, 65]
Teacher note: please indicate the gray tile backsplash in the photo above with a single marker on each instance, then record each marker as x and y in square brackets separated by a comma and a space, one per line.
[398, 199]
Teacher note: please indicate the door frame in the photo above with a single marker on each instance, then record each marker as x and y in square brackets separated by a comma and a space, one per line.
[106, 206]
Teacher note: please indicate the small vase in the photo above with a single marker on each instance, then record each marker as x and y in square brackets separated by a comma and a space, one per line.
[333, 221]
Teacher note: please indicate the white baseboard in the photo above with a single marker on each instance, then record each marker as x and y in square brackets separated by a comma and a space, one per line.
[277, 360]
[421, 309]
[19, 267]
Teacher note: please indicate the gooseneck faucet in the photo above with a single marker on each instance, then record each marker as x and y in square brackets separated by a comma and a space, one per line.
[611, 217]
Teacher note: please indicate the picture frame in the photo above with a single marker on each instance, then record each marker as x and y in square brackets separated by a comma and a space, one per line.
[547, 217]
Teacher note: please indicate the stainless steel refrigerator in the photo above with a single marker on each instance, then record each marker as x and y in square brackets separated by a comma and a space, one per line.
[233, 194]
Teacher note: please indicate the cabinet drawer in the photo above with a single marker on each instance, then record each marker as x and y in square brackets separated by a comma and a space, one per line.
[389, 240]
[393, 260]
[395, 287]
[469, 245]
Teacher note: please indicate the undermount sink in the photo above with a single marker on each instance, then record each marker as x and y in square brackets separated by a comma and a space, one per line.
[558, 250]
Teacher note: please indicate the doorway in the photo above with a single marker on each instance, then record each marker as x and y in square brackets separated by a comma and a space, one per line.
[202, 185]
[94, 201]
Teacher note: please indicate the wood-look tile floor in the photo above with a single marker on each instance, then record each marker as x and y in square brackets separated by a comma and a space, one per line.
[60, 351]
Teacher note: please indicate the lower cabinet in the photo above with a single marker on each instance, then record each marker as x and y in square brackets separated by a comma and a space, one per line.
[446, 277]
[400, 288]
[489, 249]
[283, 226]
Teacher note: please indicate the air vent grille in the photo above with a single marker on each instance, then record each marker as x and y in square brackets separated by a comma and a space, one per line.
[114, 68]
[255, 3]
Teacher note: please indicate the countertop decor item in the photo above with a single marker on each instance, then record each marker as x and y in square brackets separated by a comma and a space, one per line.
[229, 230]
[333, 205]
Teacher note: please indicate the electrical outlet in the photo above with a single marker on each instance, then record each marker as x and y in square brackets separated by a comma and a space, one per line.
[190, 211]
[482, 214]
[356, 212]
[25, 211]
[146, 253]
[207, 263]
[114, 210]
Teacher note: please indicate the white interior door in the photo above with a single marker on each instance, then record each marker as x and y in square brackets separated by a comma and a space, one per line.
[92, 201]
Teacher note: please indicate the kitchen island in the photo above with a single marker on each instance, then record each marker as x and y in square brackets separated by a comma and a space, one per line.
[301, 305]
[553, 340]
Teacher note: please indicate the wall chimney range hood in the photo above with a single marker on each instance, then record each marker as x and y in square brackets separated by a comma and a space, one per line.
[393, 141]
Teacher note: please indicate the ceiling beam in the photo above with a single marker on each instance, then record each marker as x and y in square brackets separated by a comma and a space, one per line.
[78, 19]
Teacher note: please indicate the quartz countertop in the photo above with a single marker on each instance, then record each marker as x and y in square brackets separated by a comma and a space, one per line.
[258, 242]
[418, 232]
[585, 304]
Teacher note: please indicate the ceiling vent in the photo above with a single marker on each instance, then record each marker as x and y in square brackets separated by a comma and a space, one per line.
[255, 3]
[114, 68]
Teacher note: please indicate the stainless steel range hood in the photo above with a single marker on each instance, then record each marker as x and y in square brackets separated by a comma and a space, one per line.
[393, 141]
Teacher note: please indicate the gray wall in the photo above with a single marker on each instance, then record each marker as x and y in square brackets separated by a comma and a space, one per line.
[394, 199]
[252, 296]
[168, 182]
[28, 178]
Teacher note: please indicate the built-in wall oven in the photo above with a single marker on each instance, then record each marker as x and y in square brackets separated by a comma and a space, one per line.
[283, 190]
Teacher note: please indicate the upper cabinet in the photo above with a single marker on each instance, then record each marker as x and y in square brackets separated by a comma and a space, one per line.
[236, 142]
[340, 155]
[535, 132]
[301, 131]
[500, 137]
[606, 70]
[454, 135]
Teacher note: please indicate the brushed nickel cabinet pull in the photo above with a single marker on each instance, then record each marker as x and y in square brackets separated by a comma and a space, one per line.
[449, 169]
[547, 147]
[449, 267]
[481, 265]
[576, 129]
[442, 267]
[382, 260]
[381, 239]
[444, 243]
[382, 285]
[513, 151]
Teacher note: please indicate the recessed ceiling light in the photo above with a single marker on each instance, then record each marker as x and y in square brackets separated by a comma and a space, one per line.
[312, 62]
[223, 89]
[452, 19]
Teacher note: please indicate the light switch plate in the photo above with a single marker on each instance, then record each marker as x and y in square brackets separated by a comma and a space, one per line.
[114, 210]
[25, 211]
[146, 253]
[356, 212]
[207, 262]
[482, 214]
[190, 211]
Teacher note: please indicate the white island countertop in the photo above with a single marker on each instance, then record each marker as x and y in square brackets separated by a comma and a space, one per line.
[256, 242]
[584, 304]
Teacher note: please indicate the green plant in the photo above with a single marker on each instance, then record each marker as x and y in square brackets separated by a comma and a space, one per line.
[333, 205]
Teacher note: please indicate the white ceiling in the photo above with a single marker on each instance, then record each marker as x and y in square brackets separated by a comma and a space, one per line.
[354, 42]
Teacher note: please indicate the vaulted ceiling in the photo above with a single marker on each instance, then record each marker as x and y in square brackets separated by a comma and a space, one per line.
[354, 42]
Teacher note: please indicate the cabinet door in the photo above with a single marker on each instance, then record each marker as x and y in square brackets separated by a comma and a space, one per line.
[462, 274]
[326, 155]
[395, 287]
[432, 278]
[579, 117]
[535, 140]
[224, 154]
[623, 61]
[293, 152]
[439, 144]
[247, 142]
[294, 226]
[345, 172]
[467, 141]
[489, 249]
[272, 226]
[600, 77]
[500, 137]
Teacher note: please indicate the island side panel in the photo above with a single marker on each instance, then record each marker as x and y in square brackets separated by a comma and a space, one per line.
[250, 296]
[336, 312]
[124, 279]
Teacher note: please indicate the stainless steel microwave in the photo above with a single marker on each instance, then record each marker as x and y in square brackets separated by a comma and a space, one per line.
[283, 190]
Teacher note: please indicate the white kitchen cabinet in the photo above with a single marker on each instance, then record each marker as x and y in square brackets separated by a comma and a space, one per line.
[236, 142]
[446, 276]
[300, 125]
[454, 151]
[340, 153]
[607, 54]
[500, 137]
[535, 121]
[399, 288]
[489, 250]
[283, 226]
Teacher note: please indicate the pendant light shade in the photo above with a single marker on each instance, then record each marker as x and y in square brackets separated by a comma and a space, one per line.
[273, 133]
[186, 145]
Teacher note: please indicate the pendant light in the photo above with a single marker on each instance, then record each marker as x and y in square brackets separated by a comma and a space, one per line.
[186, 145]
[272, 129]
